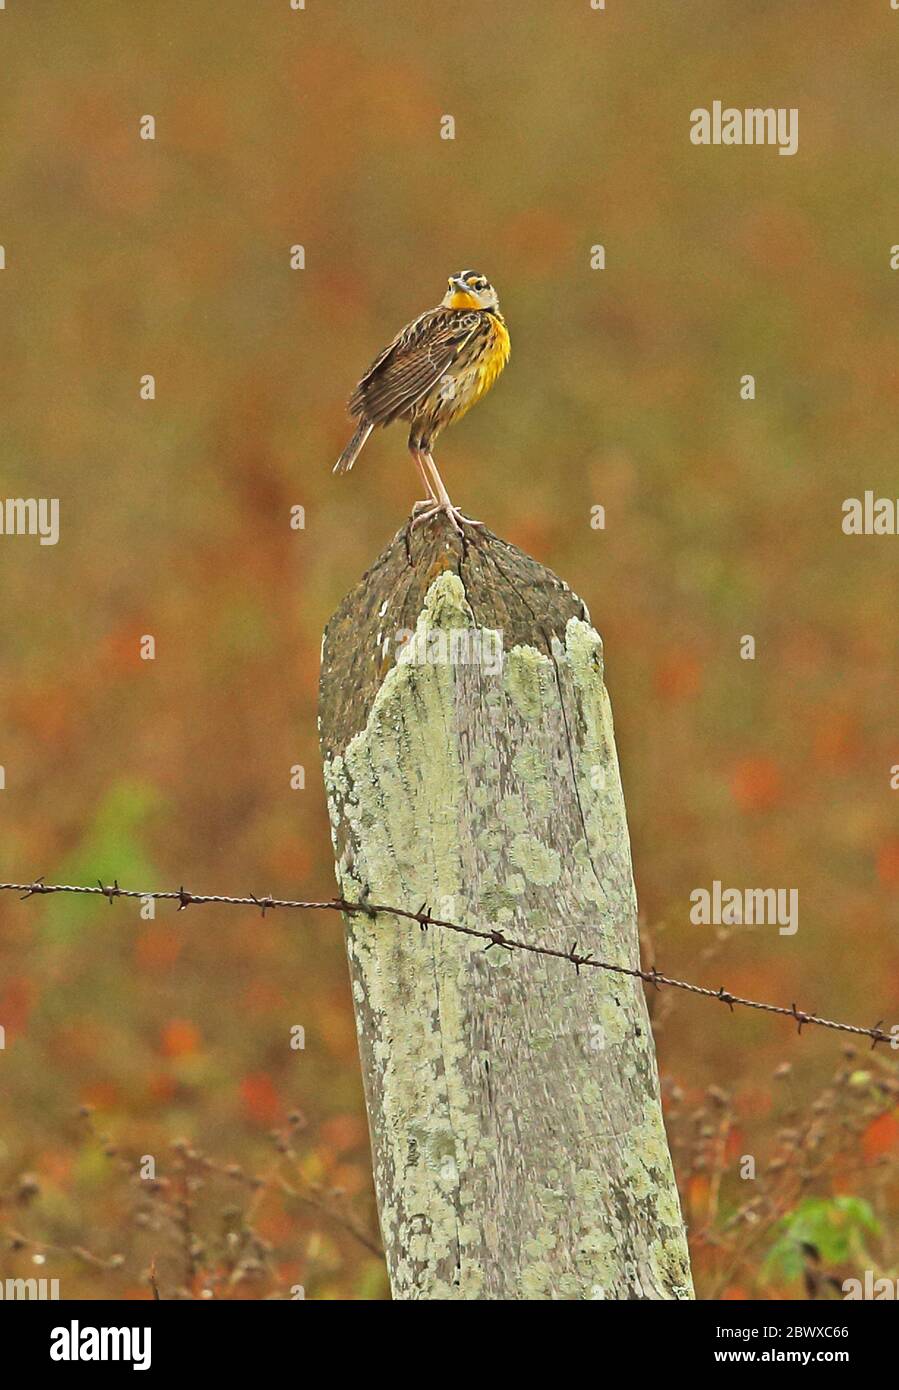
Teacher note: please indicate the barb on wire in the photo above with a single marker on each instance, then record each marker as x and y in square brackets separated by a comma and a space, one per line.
[424, 918]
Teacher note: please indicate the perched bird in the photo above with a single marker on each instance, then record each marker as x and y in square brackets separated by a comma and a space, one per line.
[433, 371]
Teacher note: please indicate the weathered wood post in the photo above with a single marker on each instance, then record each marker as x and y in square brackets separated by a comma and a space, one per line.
[518, 1144]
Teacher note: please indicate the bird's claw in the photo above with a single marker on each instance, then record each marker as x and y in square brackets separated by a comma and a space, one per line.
[453, 514]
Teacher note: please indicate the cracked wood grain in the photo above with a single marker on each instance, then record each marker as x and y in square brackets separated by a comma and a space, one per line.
[517, 1137]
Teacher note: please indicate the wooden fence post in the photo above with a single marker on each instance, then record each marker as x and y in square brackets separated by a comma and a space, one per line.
[518, 1144]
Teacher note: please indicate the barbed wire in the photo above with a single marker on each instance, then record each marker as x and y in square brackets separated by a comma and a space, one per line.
[492, 936]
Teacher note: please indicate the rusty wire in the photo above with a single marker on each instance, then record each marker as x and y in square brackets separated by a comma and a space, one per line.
[491, 936]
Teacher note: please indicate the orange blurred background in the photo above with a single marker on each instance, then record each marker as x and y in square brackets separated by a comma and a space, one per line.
[321, 128]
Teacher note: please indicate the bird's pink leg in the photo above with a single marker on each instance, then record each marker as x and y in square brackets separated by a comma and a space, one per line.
[419, 464]
[443, 501]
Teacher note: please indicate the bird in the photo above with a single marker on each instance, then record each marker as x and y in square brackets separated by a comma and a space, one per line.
[433, 371]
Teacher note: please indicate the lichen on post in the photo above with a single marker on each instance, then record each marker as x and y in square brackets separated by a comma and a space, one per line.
[518, 1144]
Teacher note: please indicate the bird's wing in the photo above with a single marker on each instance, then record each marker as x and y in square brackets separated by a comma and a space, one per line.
[412, 365]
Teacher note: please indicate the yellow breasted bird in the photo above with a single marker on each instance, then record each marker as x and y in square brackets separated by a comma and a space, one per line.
[433, 371]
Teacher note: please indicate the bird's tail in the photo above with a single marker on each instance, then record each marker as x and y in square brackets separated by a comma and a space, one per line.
[354, 448]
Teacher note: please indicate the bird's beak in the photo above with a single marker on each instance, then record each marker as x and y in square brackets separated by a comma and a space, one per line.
[457, 283]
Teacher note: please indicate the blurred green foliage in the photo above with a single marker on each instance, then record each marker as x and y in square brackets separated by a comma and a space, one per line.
[834, 1228]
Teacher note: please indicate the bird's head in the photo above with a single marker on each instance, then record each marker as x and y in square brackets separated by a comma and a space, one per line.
[469, 290]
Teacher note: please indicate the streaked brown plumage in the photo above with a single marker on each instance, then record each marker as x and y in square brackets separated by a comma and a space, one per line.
[435, 369]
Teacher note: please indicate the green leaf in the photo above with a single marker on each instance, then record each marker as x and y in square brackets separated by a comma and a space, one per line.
[834, 1226]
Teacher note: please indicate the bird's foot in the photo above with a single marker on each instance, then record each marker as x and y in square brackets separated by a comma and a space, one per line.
[423, 511]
